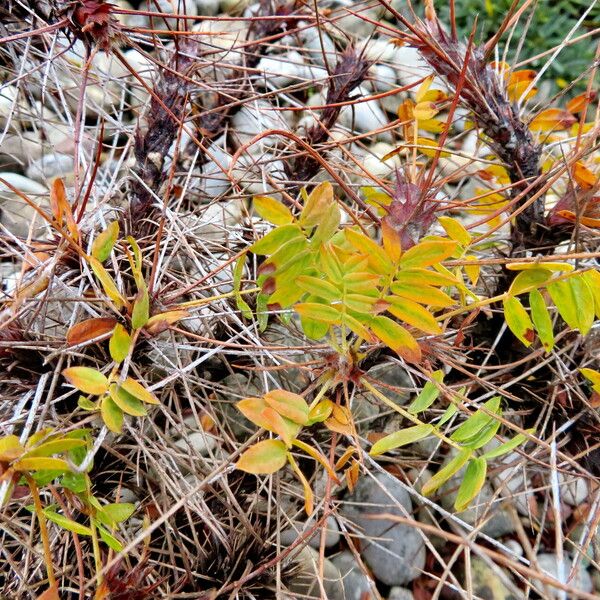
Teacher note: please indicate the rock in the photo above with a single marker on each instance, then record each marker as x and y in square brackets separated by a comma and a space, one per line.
[383, 77]
[315, 44]
[305, 582]
[50, 166]
[199, 441]
[400, 593]
[392, 374]
[254, 118]
[332, 535]
[208, 8]
[214, 222]
[281, 70]
[15, 214]
[233, 7]
[513, 481]
[487, 585]
[365, 117]
[9, 107]
[214, 181]
[548, 563]
[516, 550]
[169, 7]
[574, 489]
[398, 554]
[259, 173]
[356, 583]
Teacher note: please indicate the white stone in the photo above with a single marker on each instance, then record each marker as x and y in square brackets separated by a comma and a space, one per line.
[305, 583]
[200, 441]
[281, 70]
[315, 45]
[549, 564]
[383, 77]
[8, 104]
[574, 490]
[214, 181]
[207, 7]
[255, 118]
[50, 166]
[366, 116]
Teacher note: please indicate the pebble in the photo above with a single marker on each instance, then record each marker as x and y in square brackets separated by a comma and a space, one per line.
[549, 564]
[200, 441]
[255, 118]
[392, 374]
[50, 166]
[9, 106]
[315, 45]
[214, 222]
[383, 77]
[332, 535]
[364, 116]
[574, 490]
[487, 583]
[398, 555]
[400, 593]
[281, 70]
[356, 583]
[214, 181]
[305, 583]
[16, 215]
[208, 8]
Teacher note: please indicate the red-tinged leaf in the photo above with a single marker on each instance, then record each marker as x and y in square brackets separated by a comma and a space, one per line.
[397, 338]
[351, 475]
[427, 253]
[279, 425]
[527, 75]
[319, 312]
[518, 320]
[86, 380]
[62, 209]
[580, 102]
[424, 111]
[317, 205]
[112, 415]
[90, 329]
[391, 241]
[583, 176]
[105, 241]
[552, 119]
[414, 314]
[162, 321]
[342, 460]
[289, 405]
[119, 344]
[137, 390]
[254, 410]
[272, 210]
[263, 458]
